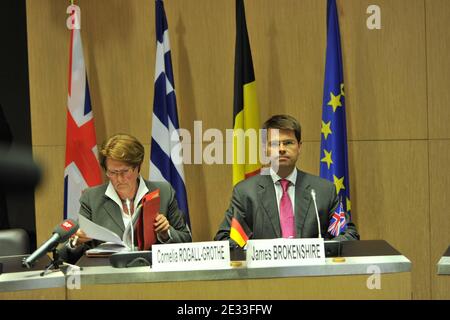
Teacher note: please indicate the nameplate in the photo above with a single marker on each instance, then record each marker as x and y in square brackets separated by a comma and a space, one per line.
[191, 256]
[285, 252]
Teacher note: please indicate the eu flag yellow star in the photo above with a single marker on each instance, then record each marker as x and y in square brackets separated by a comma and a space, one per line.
[326, 130]
[349, 205]
[342, 89]
[335, 101]
[339, 183]
[327, 159]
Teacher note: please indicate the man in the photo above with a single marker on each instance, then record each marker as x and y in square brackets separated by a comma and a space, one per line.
[121, 157]
[279, 204]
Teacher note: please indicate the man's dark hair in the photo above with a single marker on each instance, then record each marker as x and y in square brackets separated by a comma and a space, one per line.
[284, 122]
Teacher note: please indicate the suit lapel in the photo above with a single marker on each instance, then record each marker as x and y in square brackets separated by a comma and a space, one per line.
[302, 201]
[112, 209]
[269, 202]
[114, 212]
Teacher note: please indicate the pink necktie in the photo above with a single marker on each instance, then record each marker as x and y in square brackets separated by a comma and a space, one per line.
[287, 219]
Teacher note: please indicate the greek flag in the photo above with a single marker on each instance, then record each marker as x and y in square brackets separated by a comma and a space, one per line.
[165, 158]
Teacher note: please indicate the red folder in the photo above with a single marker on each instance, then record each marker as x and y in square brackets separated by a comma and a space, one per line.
[146, 235]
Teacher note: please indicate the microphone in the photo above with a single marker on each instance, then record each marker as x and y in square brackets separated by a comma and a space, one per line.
[61, 233]
[18, 171]
[131, 224]
[313, 195]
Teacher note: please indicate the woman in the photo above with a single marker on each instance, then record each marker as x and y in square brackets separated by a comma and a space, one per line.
[121, 157]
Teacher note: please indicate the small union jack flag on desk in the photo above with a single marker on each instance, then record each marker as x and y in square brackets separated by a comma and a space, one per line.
[337, 221]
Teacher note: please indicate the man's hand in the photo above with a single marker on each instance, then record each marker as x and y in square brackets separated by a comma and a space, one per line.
[162, 227]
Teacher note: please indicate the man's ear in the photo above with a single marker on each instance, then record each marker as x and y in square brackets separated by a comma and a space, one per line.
[266, 150]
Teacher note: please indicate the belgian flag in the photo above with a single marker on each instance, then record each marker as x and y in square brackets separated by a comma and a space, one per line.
[246, 111]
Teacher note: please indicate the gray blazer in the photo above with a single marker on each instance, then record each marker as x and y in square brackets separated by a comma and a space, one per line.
[255, 200]
[99, 208]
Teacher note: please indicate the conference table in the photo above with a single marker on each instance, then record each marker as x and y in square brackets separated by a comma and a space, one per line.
[17, 282]
[444, 263]
[442, 286]
[370, 269]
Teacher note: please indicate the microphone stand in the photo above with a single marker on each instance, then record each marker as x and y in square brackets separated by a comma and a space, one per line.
[313, 195]
[54, 264]
[131, 224]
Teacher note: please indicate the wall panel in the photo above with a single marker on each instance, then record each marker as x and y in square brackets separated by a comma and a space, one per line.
[390, 200]
[385, 70]
[439, 215]
[438, 66]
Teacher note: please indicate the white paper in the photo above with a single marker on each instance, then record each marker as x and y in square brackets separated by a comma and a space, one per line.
[107, 248]
[97, 232]
[207, 255]
[267, 253]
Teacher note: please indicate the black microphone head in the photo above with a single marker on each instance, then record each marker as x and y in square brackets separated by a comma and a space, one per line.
[18, 170]
[66, 229]
[62, 232]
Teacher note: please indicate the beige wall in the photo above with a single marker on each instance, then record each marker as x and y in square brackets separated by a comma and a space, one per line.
[396, 93]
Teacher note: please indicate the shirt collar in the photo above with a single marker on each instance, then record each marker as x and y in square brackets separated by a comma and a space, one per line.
[142, 190]
[292, 177]
[112, 194]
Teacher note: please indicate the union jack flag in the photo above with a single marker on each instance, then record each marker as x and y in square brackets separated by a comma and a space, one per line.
[337, 222]
[82, 169]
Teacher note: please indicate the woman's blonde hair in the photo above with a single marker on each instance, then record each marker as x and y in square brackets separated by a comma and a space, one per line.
[122, 147]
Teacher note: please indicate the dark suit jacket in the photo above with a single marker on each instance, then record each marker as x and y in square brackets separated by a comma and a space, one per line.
[255, 200]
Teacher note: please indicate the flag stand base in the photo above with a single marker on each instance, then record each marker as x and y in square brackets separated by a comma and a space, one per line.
[131, 259]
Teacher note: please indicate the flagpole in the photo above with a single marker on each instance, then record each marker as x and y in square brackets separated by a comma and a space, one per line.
[339, 220]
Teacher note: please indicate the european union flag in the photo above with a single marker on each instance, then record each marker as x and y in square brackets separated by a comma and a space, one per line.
[333, 146]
